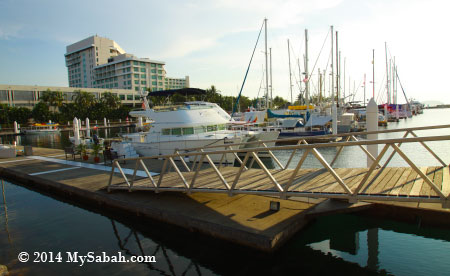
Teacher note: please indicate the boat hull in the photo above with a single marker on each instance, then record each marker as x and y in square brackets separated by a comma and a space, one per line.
[168, 147]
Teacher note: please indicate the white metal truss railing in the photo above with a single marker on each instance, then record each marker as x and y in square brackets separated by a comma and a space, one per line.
[353, 194]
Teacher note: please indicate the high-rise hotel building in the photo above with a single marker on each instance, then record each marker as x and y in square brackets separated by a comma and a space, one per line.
[98, 62]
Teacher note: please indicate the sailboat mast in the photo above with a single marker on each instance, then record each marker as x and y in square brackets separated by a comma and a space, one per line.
[333, 104]
[345, 59]
[267, 66]
[387, 81]
[306, 69]
[364, 90]
[387, 73]
[320, 85]
[338, 73]
[373, 74]
[290, 74]
[332, 67]
[271, 84]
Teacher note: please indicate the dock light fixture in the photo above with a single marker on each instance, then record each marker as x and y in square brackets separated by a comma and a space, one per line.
[274, 206]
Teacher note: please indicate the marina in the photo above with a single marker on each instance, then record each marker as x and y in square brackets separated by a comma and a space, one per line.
[218, 216]
[296, 138]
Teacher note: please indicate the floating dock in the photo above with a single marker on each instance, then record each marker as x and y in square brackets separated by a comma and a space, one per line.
[241, 219]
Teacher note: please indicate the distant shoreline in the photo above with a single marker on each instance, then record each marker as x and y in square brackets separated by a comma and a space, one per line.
[438, 106]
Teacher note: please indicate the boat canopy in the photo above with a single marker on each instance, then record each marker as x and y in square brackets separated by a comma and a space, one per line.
[300, 107]
[182, 91]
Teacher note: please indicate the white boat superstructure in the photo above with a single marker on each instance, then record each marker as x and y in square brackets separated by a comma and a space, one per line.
[189, 125]
[41, 129]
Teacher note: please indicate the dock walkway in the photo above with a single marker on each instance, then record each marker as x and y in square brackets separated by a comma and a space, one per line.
[379, 182]
[241, 219]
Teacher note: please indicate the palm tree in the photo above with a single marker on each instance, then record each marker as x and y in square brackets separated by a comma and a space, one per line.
[84, 103]
[83, 99]
[52, 98]
[110, 100]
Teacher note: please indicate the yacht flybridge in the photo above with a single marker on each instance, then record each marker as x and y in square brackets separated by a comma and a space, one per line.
[193, 124]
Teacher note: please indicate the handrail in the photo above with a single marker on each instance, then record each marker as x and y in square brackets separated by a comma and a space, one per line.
[301, 146]
[189, 174]
[327, 136]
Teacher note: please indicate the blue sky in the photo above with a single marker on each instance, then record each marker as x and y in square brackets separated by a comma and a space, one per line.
[211, 41]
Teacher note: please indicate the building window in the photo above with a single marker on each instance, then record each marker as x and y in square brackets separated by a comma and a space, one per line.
[159, 71]
[143, 82]
[122, 97]
[143, 76]
[159, 66]
[154, 77]
[136, 88]
[129, 82]
[135, 69]
[160, 83]
[136, 82]
[159, 77]
[129, 97]
[153, 71]
[153, 65]
[142, 63]
[136, 97]
[128, 69]
[136, 75]
[153, 82]
[143, 70]
[124, 82]
[135, 63]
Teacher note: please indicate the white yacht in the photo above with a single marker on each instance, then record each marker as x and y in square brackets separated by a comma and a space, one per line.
[189, 125]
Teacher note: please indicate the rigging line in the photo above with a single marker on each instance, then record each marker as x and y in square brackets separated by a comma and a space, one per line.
[354, 92]
[401, 86]
[381, 87]
[314, 67]
[248, 68]
[260, 85]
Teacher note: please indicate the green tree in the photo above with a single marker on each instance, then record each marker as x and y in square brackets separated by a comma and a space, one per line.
[84, 103]
[52, 99]
[279, 102]
[41, 112]
[20, 114]
[110, 100]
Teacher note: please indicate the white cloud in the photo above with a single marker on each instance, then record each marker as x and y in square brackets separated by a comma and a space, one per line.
[9, 31]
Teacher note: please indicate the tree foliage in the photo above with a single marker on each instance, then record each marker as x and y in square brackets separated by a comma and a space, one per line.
[86, 105]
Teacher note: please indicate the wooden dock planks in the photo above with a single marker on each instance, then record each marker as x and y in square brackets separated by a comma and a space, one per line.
[415, 190]
[389, 181]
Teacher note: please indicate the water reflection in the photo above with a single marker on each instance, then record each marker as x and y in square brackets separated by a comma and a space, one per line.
[158, 250]
[383, 246]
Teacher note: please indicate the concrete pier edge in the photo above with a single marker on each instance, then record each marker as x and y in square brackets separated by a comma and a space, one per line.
[237, 236]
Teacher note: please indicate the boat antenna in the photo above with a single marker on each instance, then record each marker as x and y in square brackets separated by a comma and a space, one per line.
[246, 73]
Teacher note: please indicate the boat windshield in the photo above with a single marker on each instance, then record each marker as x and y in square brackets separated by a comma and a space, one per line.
[181, 107]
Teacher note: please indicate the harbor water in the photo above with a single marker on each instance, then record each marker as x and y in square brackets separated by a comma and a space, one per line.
[32, 221]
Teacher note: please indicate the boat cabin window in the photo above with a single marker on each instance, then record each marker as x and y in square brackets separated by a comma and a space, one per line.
[188, 130]
[212, 128]
[200, 129]
[176, 131]
[192, 130]
[166, 131]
